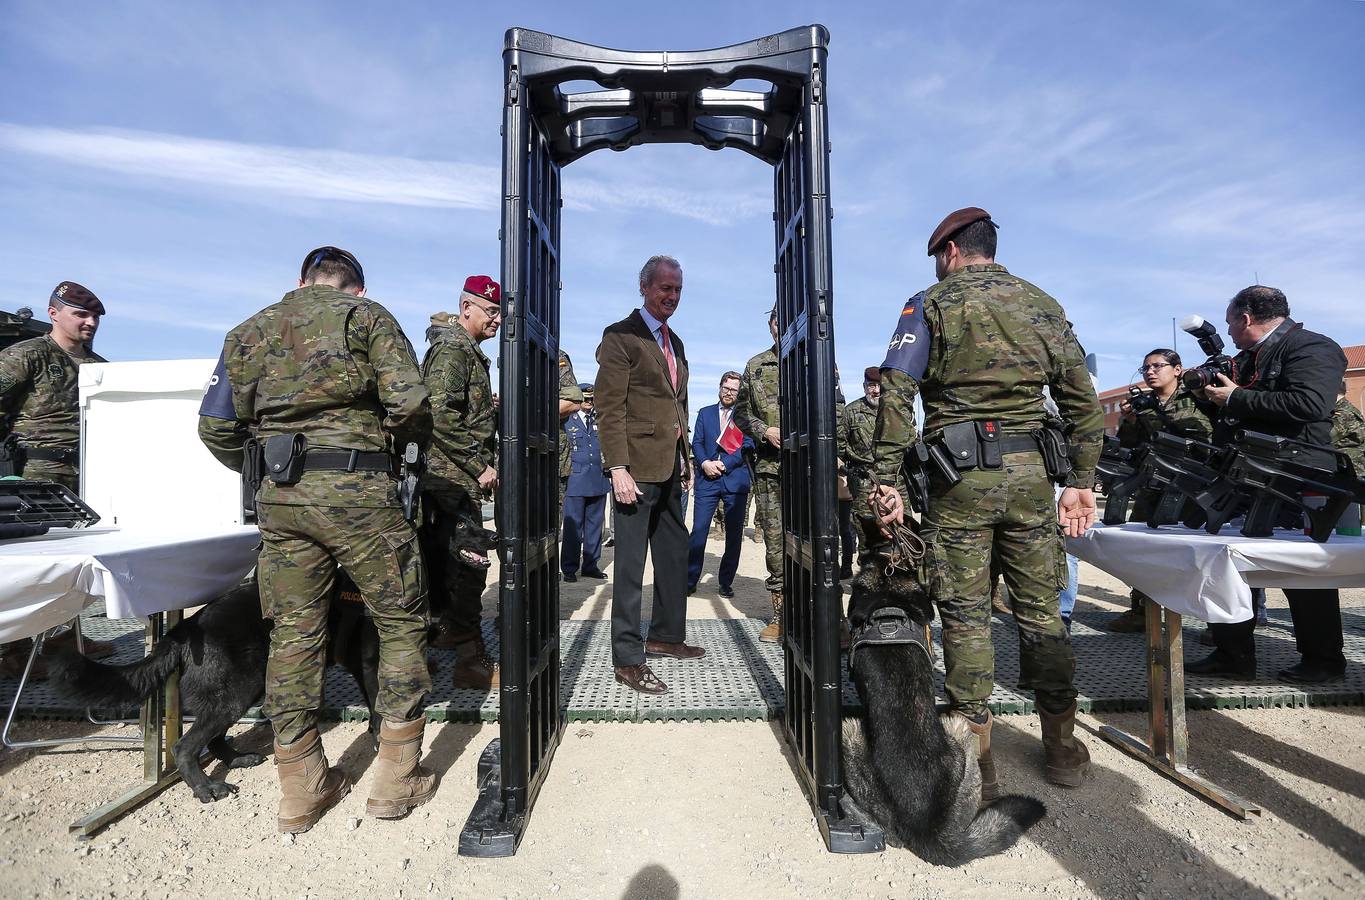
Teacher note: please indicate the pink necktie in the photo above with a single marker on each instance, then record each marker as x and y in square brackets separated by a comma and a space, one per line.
[668, 355]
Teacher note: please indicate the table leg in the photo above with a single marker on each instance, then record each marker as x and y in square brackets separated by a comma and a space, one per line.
[161, 725]
[1169, 739]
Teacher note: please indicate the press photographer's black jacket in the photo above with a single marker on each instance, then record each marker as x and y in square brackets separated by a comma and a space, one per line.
[1289, 384]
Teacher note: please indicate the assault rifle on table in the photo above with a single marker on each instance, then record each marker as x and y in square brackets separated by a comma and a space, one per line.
[1122, 472]
[1274, 478]
[1184, 472]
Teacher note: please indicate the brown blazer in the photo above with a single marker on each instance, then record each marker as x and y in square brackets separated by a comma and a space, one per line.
[641, 420]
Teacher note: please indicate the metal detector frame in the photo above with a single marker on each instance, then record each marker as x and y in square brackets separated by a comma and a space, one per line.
[662, 97]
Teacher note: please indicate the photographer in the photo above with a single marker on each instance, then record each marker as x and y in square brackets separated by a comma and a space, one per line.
[1166, 406]
[1284, 383]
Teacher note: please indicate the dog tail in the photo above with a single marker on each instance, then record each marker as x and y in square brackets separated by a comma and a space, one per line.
[100, 684]
[997, 827]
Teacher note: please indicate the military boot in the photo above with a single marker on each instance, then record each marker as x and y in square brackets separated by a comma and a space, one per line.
[990, 784]
[444, 637]
[1065, 757]
[1134, 619]
[400, 783]
[308, 786]
[772, 634]
[474, 669]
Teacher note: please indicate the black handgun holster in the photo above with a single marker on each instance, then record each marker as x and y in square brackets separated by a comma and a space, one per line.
[284, 456]
[1056, 456]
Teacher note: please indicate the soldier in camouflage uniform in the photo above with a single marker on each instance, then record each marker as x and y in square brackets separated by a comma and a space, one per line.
[335, 367]
[858, 423]
[461, 469]
[570, 402]
[979, 347]
[39, 397]
[757, 414]
[1176, 413]
[1348, 431]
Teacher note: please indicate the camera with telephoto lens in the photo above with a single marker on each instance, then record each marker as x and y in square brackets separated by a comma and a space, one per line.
[1218, 363]
[1140, 400]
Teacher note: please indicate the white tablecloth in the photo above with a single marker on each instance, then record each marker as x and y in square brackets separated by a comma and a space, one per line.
[47, 580]
[1210, 576]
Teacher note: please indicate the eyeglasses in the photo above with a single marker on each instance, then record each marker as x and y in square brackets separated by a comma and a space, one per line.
[494, 312]
[1155, 367]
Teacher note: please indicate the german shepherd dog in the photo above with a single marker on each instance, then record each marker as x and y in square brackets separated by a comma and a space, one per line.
[911, 769]
[221, 653]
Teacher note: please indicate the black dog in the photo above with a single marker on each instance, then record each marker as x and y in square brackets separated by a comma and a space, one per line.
[221, 653]
[910, 768]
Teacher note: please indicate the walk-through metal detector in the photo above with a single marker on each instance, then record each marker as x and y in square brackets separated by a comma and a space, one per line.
[645, 98]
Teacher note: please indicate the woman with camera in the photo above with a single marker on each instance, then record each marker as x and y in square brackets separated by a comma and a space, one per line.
[1166, 406]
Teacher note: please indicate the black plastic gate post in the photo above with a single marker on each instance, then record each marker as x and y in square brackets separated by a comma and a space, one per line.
[661, 97]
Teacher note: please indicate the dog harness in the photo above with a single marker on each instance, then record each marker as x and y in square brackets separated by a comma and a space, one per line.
[890, 625]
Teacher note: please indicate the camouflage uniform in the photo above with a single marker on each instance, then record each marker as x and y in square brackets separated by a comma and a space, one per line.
[337, 368]
[983, 344]
[1180, 416]
[757, 408]
[1348, 433]
[464, 443]
[858, 424]
[39, 389]
[568, 390]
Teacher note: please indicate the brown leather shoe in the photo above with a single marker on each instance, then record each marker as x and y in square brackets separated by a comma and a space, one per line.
[640, 678]
[679, 650]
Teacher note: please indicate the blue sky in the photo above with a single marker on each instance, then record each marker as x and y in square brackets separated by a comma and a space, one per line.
[1144, 160]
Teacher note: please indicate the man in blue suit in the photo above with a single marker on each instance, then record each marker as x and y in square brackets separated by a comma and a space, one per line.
[585, 499]
[722, 478]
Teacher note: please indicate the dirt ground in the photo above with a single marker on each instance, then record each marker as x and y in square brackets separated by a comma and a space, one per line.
[710, 810]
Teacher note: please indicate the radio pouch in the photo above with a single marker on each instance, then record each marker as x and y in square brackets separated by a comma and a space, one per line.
[988, 437]
[961, 443]
[1052, 445]
[284, 455]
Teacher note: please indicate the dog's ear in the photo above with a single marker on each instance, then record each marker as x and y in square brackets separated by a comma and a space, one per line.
[866, 592]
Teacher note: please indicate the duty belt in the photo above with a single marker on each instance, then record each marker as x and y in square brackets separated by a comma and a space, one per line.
[1018, 443]
[52, 454]
[349, 461]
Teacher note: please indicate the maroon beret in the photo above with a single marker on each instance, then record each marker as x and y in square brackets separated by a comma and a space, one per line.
[872, 373]
[955, 222]
[483, 286]
[69, 293]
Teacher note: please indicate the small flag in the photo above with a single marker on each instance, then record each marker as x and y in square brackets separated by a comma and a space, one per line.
[731, 439]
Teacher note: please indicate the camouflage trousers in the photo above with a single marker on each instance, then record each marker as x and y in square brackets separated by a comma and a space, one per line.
[1007, 517]
[461, 601]
[50, 470]
[301, 548]
[767, 490]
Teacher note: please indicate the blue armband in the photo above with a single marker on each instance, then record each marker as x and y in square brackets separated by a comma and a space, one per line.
[908, 351]
[218, 399]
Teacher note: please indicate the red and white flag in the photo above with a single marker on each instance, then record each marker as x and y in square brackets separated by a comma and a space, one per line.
[731, 439]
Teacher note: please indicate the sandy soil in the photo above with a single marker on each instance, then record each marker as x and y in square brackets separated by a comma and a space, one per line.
[710, 810]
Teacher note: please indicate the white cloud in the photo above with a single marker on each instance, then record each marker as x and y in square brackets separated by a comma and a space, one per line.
[268, 171]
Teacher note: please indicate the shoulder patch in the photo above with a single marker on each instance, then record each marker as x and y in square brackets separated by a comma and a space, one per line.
[908, 351]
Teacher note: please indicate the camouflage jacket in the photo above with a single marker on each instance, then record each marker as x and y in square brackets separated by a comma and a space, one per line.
[859, 422]
[568, 390]
[982, 344]
[39, 390]
[331, 365]
[464, 439]
[1348, 433]
[1179, 415]
[759, 406]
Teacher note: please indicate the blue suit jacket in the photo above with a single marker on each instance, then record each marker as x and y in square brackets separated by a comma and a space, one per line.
[585, 451]
[704, 447]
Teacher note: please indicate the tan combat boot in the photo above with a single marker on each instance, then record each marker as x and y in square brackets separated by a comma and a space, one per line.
[474, 668]
[400, 783]
[308, 787]
[772, 634]
[990, 785]
[1065, 758]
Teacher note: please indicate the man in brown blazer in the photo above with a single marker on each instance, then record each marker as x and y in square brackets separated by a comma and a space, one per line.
[642, 423]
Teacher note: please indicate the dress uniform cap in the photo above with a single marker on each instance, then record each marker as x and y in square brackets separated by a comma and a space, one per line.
[585, 388]
[954, 222]
[483, 286]
[872, 373]
[69, 293]
[323, 254]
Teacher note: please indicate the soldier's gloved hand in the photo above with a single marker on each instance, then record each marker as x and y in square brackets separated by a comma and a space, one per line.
[1076, 511]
